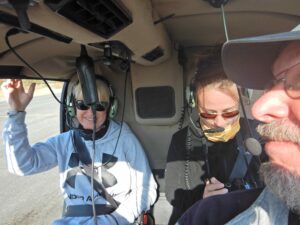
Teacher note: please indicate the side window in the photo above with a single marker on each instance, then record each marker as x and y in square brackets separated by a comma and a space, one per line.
[249, 96]
[24, 201]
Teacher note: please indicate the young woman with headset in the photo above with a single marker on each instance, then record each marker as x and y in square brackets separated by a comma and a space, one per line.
[202, 156]
[124, 185]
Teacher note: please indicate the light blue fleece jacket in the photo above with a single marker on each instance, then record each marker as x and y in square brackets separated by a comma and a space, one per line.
[135, 187]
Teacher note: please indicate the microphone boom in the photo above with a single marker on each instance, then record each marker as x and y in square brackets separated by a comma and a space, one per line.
[253, 146]
[214, 130]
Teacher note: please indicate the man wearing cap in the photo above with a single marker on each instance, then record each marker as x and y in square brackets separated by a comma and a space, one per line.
[271, 61]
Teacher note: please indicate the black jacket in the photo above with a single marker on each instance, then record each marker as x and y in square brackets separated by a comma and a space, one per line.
[226, 207]
[220, 209]
[186, 170]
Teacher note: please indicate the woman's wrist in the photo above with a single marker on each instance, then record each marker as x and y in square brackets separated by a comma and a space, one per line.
[14, 112]
[17, 109]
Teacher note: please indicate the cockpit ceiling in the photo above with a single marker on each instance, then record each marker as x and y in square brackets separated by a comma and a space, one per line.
[192, 22]
[156, 24]
[195, 30]
[197, 23]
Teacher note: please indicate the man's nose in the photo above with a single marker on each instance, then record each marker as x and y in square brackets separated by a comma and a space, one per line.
[272, 105]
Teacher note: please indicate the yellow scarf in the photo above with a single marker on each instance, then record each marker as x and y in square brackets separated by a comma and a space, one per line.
[229, 132]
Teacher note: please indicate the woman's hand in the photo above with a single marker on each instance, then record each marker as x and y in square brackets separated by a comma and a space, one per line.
[15, 94]
[214, 188]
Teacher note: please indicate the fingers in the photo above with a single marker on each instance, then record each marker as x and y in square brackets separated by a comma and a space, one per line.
[31, 89]
[11, 83]
[20, 85]
[15, 94]
[214, 187]
[8, 86]
[214, 180]
[216, 192]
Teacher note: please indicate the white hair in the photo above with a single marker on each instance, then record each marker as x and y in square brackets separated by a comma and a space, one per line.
[102, 89]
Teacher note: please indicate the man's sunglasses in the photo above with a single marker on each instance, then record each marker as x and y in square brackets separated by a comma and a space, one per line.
[99, 106]
[225, 115]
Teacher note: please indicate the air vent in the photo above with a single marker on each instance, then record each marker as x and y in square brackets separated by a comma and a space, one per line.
[155, 102]
[154, 54]
[103, 17]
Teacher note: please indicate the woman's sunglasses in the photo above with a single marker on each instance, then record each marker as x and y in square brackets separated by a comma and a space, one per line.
[226, 115]
[99, 106]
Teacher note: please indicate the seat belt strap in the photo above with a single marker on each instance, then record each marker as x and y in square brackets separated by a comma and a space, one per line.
[242, 161]
[81, 149]
[98, 186]
[86, 169]
[87, 210]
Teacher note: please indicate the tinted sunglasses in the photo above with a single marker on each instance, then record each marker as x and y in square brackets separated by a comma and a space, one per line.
[99, 106]
[225, 115]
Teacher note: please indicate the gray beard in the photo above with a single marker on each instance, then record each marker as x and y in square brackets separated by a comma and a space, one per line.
[283, 183]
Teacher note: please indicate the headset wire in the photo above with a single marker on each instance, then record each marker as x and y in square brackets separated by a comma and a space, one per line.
[15, 31]
[93, 162]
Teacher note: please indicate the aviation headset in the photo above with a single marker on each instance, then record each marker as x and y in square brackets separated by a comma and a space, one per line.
[113, 102]
[190, 93]
[202, 67]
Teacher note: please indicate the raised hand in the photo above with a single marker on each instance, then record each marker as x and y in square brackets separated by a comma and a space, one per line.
[15, 94]
[214, 188]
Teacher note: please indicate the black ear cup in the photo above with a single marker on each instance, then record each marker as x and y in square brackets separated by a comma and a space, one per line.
[113, 108]
[70, 105]
[190, 94]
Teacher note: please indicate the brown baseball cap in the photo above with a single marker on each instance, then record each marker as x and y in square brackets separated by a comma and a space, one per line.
[248, 61]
